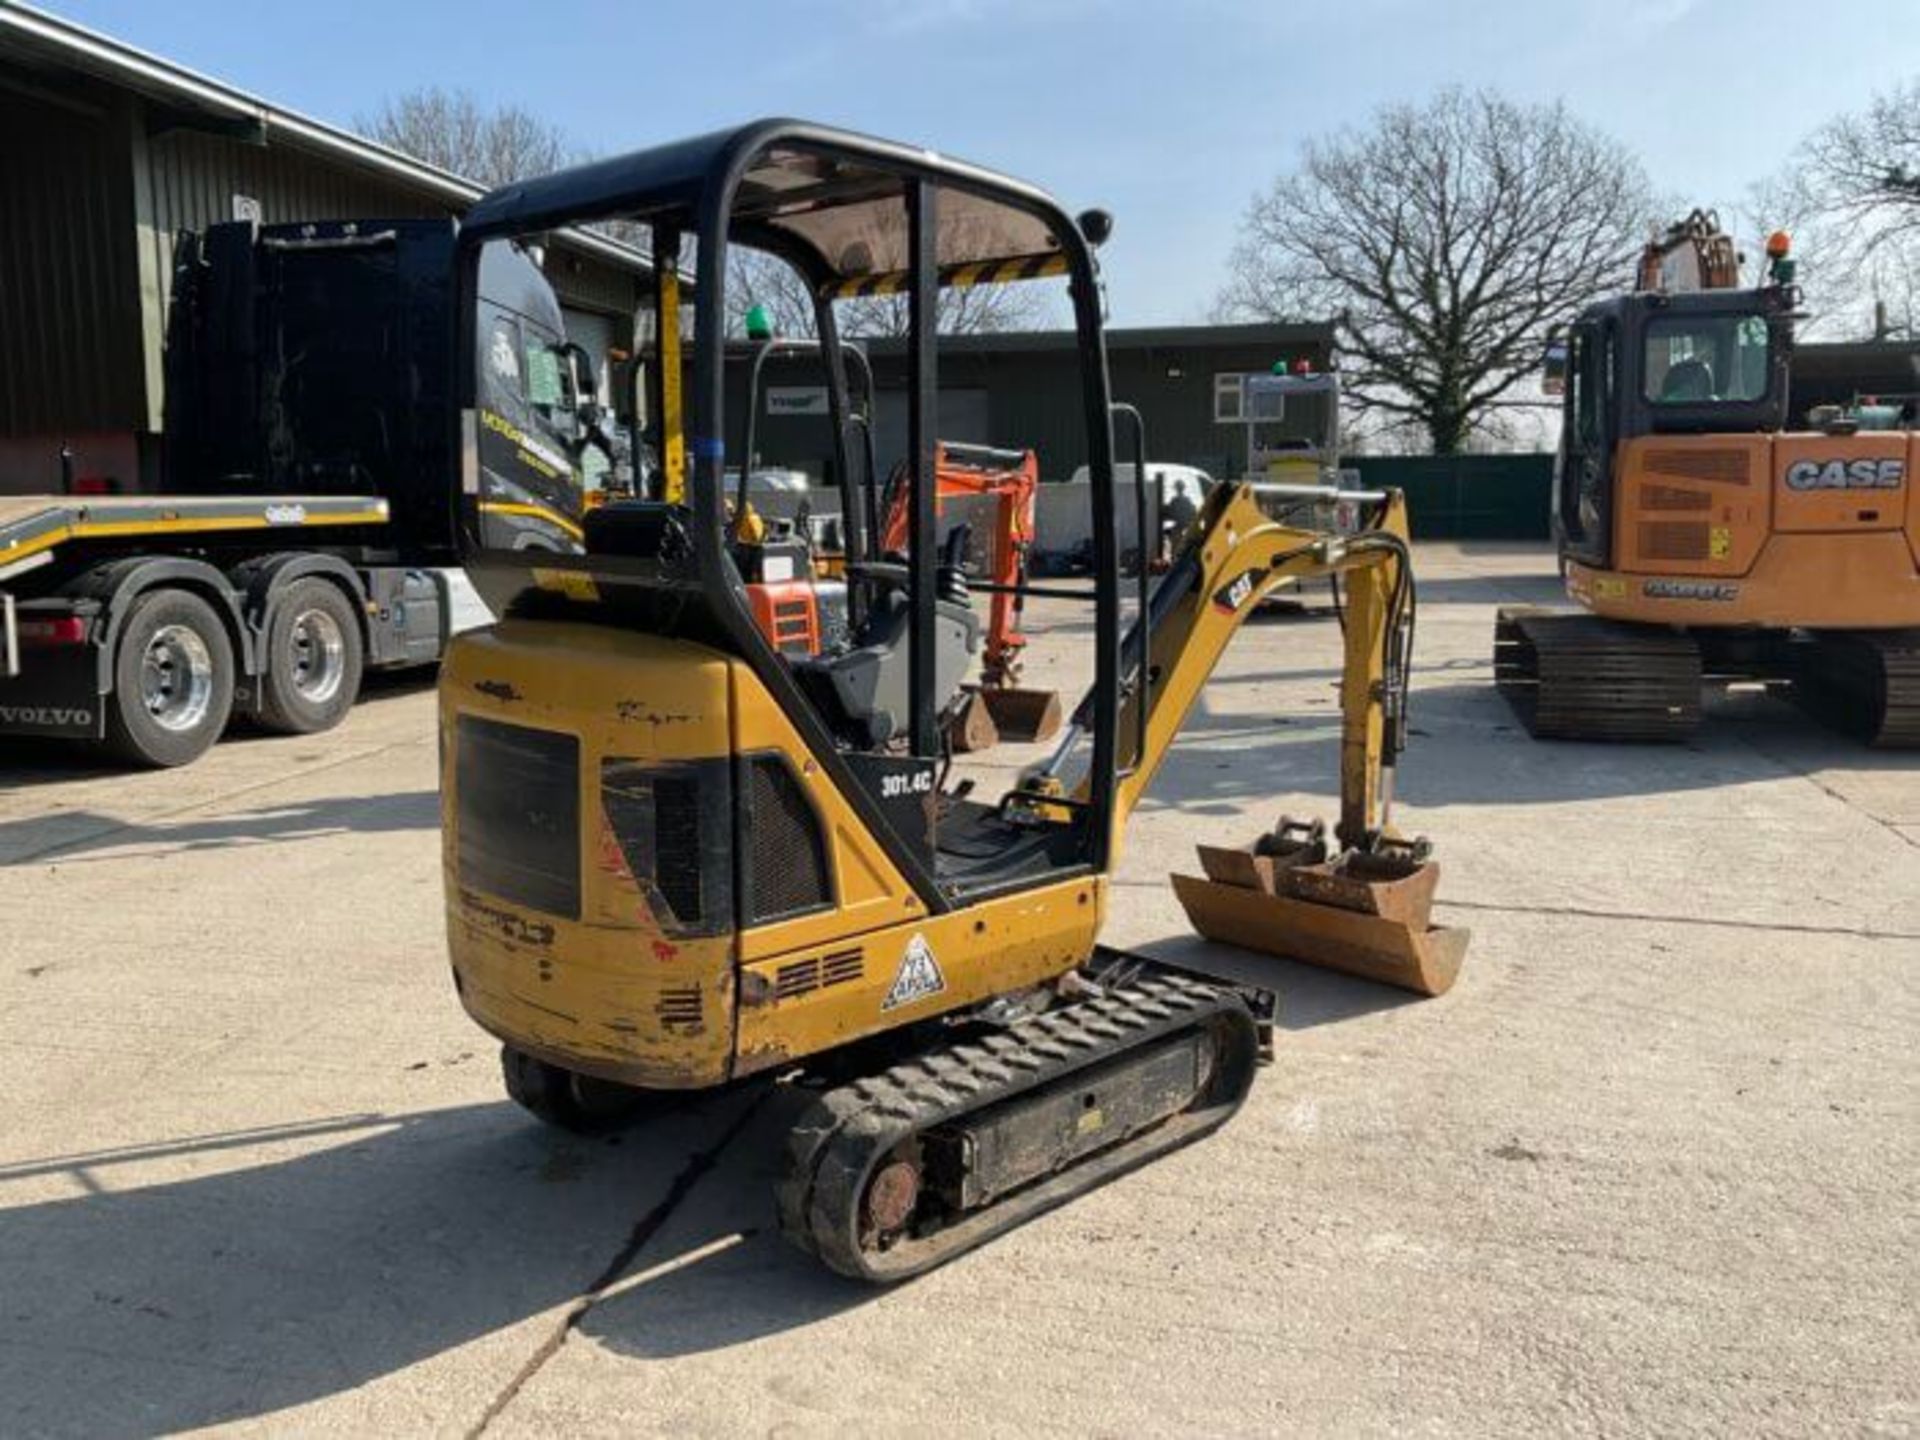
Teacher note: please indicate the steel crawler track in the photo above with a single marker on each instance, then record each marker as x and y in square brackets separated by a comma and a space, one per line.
[1865, 683]
[1579, 677]
[1102, 1060]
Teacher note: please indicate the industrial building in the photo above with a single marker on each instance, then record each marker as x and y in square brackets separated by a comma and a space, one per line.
[106, 152]
[1022, 389]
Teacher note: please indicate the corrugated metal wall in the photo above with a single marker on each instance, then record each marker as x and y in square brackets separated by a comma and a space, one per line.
[69, 310]
[1467, 497]
[191, 181]
[94, 184]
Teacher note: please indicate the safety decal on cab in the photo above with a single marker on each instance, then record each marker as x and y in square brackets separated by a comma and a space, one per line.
[918, 976]
[1230, 598]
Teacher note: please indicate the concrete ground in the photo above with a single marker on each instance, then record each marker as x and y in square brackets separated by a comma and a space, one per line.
[1650, 1168]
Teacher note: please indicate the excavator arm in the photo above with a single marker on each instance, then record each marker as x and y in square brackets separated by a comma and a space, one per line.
[1232, 559]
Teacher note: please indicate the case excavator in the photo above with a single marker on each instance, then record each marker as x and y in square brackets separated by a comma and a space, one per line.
[677, 856]
[1706, 541]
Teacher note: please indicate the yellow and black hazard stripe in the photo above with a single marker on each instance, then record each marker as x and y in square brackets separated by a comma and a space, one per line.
[952, 277]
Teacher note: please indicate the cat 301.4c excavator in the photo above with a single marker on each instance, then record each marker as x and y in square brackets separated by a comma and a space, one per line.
[676, 857]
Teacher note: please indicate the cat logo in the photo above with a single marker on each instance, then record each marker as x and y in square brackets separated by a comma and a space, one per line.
[1229, 600]
[918, 976]
[1874, 474]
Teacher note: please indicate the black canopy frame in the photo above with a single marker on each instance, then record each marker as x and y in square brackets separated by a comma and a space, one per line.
[731, 187]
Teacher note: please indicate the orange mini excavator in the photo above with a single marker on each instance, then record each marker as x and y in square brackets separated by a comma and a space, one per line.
[990, 492]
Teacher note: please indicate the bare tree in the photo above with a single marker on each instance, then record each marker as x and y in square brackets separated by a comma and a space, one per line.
[759, 279]
[1446, 239]
[1851, 192]
[450, 129]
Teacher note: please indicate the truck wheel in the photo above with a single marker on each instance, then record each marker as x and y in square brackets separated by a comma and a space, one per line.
[172, 681]
[313, 660]
[573, 1102]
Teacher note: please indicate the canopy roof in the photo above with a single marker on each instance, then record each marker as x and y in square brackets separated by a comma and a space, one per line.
[835, 194]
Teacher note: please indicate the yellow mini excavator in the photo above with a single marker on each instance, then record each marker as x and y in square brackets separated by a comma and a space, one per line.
[676, 856]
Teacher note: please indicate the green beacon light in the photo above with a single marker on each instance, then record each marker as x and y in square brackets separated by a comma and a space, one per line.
[759, 323]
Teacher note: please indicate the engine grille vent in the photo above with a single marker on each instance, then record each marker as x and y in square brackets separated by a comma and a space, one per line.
[786, 848]
[1673, 540]
[680, 1010]
[817, 972]
[518, 813]
[1715, 467]
[669, 820]
[1674, 497]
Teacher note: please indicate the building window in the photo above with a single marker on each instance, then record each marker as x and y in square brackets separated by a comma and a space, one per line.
[1229, 399]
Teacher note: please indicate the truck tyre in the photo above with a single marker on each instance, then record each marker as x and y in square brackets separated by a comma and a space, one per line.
[313, 659]
[172, 681]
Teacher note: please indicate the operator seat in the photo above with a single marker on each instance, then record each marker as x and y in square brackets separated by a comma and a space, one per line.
[864, 691]
[1687, 381]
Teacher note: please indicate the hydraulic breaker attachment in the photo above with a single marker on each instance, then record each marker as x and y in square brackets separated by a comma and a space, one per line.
[1365, 912]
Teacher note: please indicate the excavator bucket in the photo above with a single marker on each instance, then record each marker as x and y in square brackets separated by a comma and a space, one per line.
[1363, 913]
[1022, 716]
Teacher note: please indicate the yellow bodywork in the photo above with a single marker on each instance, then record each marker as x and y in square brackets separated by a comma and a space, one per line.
[617, 992]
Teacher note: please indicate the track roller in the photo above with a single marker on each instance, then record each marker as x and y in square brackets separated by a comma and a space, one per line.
[1579, 677]
[897, 1172]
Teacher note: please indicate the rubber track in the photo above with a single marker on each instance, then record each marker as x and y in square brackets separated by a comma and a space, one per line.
[1866, 683]
[1580, 677]
[835, 1145]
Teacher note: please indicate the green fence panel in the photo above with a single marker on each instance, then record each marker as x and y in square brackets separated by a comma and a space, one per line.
[1466, 497]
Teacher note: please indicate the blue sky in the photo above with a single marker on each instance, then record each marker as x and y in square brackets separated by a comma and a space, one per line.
[1170, 114]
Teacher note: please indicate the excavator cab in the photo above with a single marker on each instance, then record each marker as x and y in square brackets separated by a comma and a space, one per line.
[1651, 363]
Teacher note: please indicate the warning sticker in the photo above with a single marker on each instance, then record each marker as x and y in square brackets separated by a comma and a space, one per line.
[918, 976]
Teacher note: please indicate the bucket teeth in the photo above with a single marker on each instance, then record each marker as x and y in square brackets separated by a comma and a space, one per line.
[1362, 913]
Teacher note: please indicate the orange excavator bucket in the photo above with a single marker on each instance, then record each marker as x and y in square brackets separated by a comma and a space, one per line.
[1366, 913]
[1022, 716]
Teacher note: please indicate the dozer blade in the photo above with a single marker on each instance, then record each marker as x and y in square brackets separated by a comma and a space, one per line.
[1023, 716]
[1412, 956]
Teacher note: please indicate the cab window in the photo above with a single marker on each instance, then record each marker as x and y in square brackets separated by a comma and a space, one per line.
[505, 377]
[546, 386]
[1587, 390]
[1703, 359]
